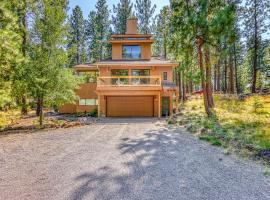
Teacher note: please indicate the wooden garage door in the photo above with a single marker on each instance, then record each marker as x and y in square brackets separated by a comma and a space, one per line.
[131, 106]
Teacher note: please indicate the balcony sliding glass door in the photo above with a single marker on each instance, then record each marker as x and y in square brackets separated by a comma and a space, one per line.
[140, 73]
[119, 73]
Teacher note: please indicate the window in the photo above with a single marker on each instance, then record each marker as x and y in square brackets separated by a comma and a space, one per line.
[119, 72]
[88, 102]
[165, 76]
[131, 52]
[140, 72]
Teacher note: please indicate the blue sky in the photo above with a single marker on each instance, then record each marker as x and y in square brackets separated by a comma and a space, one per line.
[88, 5]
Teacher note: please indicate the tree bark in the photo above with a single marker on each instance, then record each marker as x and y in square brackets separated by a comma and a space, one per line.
[24, 106]
[41, 112]
[24, 43]
[218, 76]
[208, 78]
[236, 71]
[200, 59]
[231, 79]
[38, 107]
[225, 76]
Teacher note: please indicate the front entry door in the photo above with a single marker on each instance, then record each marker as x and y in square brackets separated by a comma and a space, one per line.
[165, 106]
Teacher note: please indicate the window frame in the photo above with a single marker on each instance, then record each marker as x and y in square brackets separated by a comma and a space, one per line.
[124, 55]
[94, 103]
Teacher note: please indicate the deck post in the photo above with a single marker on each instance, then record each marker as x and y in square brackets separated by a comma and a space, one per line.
[159, 105]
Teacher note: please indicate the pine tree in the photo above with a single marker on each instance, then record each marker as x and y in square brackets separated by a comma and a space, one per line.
[200, 24]
[144, 13]
[162, 31]
[91, 35]
[256, 14]
[76, 37]
[102, 27]
[123, 11]
[98, 32]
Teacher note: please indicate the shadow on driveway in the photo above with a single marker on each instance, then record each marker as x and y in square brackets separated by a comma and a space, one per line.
[168, 164]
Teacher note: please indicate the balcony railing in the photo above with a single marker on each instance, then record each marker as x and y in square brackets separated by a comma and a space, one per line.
[123, 81]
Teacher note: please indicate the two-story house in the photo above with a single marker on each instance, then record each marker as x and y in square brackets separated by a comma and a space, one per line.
[131, 84]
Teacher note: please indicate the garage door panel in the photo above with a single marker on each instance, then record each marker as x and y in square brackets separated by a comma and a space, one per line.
[131, 106]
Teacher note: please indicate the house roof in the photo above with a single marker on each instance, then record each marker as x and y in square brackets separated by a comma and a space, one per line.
[86, 67]
[155, 61]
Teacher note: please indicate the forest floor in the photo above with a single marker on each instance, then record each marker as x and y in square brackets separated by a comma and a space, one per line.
[238, 125]
[13, 122]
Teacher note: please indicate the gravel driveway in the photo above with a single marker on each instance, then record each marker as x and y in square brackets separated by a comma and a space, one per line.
[124, 159]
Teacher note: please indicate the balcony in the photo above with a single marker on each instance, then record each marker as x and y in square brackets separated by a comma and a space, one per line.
[129, 83]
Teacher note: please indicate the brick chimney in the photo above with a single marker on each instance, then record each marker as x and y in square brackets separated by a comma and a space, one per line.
[132, 24]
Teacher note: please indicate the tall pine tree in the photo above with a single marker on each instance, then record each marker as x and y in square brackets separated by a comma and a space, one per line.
[144, 13]
[123, 11]
[98, 31]
[76, 38]
[256, 20]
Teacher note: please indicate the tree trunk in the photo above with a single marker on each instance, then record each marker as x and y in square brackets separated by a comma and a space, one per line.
[41, 112]
[225, 76]
[235, 70]
[200, 59]
[165, 46]
[218, 76]
[208, 78]
[24, 44]
[38, 107]
[190, 86]
[24, 106]
[187, 86]
[231, 80]
[254, 75]
[215, 78]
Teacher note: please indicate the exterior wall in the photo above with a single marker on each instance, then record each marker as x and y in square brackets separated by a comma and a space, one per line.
[146, 51]
[117, 51]
[158, 71]
[86, 91]
[67, 108]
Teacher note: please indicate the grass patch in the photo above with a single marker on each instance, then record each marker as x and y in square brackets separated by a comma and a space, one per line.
[213, 140]
[238, 123]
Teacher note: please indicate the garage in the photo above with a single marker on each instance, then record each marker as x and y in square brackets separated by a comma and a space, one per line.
[130, 106]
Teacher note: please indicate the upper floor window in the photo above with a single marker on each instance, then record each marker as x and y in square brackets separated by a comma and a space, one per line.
[131, 52]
